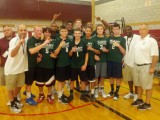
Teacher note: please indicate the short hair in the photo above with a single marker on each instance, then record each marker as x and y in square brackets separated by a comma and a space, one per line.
[78, 19]
[21, 26]
[116, 25]
[37, 26]
[45, 29]
[5, 26]
[69, 22]
[53, 23]
[89, 28]
[62, 27]
[100, 25]
[144, 24]
[77, 29]
[129, 27]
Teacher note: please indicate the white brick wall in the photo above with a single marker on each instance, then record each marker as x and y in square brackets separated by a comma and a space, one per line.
[133, 11]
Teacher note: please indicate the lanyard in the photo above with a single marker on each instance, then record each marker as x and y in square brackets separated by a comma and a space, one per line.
[128, 43]
[23, 45]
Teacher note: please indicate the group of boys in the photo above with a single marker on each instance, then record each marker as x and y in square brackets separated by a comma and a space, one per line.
[66, 54]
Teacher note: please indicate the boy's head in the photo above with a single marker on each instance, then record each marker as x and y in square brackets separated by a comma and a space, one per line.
[116, 29]
[77, 33]
[100, 29]
[63, 31]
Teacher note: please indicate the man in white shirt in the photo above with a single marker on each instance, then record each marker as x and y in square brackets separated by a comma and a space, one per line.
[15, 66]
[129, 61]
[146, 57]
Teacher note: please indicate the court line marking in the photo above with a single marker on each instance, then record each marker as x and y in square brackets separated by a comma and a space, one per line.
[73, 108]
[52, 113]
[111, 109]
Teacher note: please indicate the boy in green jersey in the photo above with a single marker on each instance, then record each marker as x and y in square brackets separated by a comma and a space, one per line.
[46, 66]
[33, 47]
[62, 49]
[78, 64]
[117, 47]
[92, 50]
[101, 64]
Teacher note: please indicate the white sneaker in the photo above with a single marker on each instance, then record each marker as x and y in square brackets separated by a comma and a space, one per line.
[15, 109]
[19, 104]
[99, 89]
[110, 94]
[96, 93]
[129, 95]
[103, 93]
[116, 96]
[135, 97]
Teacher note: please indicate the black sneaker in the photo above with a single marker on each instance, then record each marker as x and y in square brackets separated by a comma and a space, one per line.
[86, 92]
[14, 108]
[84, 98]
[63, 100]
[144, 106]
[32, 95]
[137, 102]
[116, 96]
[65, 97]
[110, 94]
[18, 103]
[92, 98]
[70, 98]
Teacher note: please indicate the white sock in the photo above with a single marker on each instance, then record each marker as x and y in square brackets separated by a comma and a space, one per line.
[28, 94]
[92, 91]
[87, 88]
[59, 94]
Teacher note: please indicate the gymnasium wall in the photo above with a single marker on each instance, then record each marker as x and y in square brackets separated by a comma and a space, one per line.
[40, 12]
[134, 12]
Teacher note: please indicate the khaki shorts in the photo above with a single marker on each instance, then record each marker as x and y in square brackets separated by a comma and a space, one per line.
[2, 77]
[142, 77]
[13, 81]
[127, 73]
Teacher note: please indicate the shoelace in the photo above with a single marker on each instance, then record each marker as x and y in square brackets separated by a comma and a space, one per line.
[15, 106]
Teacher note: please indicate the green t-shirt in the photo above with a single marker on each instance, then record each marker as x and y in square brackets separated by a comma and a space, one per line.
[102, 42]
[94, 33]
[47, 61]
[70, 35]
[32, 58]
[91, 42]
[78, 57]
[55, 35]
[63, 56]
[115, 54]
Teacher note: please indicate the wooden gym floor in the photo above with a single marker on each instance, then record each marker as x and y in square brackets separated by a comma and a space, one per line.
[101, 109]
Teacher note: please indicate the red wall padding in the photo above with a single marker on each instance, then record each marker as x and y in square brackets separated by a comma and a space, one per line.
[34, 9]
[154, 33]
